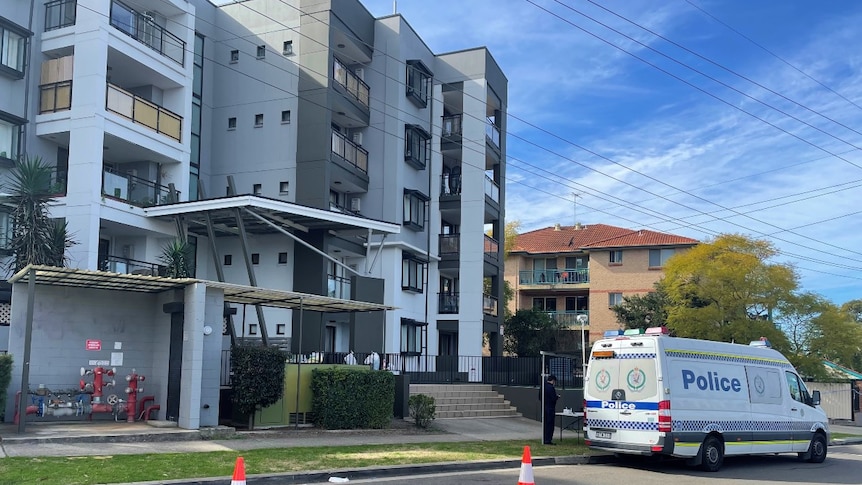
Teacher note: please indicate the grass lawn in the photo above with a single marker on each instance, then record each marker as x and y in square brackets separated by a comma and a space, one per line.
[135, 468]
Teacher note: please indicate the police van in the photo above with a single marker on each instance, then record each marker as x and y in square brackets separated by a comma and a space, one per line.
[652, 394]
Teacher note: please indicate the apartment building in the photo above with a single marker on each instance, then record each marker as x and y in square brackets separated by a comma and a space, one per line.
[584, 270]
[302, 145]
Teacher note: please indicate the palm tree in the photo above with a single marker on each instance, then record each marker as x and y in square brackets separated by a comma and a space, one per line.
[36, 238]
[177, 257]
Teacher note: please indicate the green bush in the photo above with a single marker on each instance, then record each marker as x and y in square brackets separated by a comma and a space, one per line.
[422, 409]
[5, 378]
[351, 398]
[258, 378]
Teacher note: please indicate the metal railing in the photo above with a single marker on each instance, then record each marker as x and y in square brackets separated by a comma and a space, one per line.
[492, 133]
[59, 14]
[567, 276]
[351, 82]
[489, 305]
[447, 303]
[492, 190]
[349, 151]
[144, 112]
[119, 264]
[55, 97]
[570, 318]
[492, 247]
[338, 287]
[135, 190]
[145, 30]
[450, 184]
[451, 125]
[450, 243]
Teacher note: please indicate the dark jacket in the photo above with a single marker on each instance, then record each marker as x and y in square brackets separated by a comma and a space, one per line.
[550, 397]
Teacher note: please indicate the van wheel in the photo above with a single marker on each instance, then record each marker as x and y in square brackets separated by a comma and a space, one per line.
[817, 449]
[713, 454]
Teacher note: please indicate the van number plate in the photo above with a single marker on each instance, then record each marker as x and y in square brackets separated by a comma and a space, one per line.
[603, 434]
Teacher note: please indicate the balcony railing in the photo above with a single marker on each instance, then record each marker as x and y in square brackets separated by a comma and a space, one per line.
[450, 243]
[489, 305]
[143, 112]
[59, 14]
[492, 247]
[566, 276]
[451, 125]
[55, 97]
[351, 82]
[338, 287]
[492, 133]
[492, 190]
[145, 30]
[570, 318]
[136, 191]
[447, 303]
[349, 151]
[119, 264]
[450, 184]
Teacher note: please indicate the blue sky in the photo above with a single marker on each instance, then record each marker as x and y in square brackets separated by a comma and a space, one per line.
[739, 120]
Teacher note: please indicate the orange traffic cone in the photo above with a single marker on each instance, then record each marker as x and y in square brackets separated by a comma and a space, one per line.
[526, 477]
[239, 472]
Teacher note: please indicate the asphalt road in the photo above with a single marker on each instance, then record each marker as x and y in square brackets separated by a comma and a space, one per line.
[842, 466]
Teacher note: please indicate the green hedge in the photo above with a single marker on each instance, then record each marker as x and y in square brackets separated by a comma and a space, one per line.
[258, 377]
[5, 378]
[350, 398]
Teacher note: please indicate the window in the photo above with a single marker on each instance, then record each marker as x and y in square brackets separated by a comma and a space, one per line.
[411, 336]
[231, 123]
[256, 189]
[13, 44]
[258, 120]
[615, 299]
[545, 304]
[261, 51]
[285, 116]
[287, 48]
[280, 329]
[616, 257]
[796, 387]
[252, 329]
[418, 83]
[255, 258]
[417, 146]
[412, 273]
[228, 259]
[414, 209]
[283, 188]
[282, 258]
[5, 232]
[658, 257]
[234, 56]
[10, 135]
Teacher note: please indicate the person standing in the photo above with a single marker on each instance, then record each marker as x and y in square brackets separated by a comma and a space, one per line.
[549, 404]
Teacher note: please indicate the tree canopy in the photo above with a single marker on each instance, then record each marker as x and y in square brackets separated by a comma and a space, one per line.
[643, 311]
[528, 332]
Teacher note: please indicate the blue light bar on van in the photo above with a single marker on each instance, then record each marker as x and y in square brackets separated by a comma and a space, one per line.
[613, 333]
[634, 331]
[657, 331]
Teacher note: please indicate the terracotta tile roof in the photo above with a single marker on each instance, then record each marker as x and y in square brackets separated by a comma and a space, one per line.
[593, 236]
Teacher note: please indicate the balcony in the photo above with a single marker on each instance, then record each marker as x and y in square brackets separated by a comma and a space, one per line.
[349, 151]
[569, 319]
[492, 190]
[350, 82]
[59, 14]
[447, 303]
[55, 97]
[119, 264]
[450, 183]
[144, 29]
[144, 112]
[338, 287]
[568, 276]
[489, 305]
[451, 126]
[492, 134]
[492, 247]
[135, 190]
[450, 243]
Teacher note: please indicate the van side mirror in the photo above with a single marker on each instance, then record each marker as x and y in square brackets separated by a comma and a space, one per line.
[815, 398]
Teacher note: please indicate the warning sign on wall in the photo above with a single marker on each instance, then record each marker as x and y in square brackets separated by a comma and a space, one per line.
[94, 344]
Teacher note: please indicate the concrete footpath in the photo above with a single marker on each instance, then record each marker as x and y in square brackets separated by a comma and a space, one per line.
[110, 438]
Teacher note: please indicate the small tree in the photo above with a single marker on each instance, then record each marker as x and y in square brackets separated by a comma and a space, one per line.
[643, 311]
[177, 258]
[528, 332]
[258, 378]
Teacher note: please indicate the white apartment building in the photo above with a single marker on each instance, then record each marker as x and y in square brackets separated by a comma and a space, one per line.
[301, 145]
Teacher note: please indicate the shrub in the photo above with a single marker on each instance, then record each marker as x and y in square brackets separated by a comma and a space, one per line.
[5, 378]
[422, 409]
[258, 378]
[351, 398]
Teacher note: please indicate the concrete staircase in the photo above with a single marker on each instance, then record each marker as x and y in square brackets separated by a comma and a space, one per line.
[466, 400]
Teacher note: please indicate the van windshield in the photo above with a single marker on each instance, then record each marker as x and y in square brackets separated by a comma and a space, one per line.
[636, 377]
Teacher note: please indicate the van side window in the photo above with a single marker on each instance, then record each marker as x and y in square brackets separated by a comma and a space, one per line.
[793, 384]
